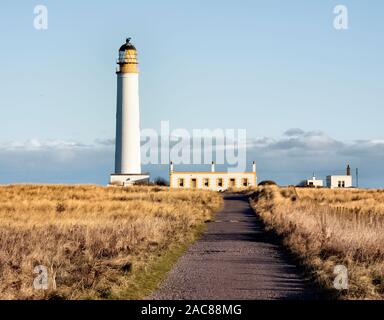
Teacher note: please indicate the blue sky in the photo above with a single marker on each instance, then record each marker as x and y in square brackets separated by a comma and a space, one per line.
[266, 66]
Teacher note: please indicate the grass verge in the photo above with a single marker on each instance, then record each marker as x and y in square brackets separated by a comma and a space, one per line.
[144, 282]
[94, 242]
[327, 229]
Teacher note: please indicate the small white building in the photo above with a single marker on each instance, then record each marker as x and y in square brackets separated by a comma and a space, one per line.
[340, 181]
[315, 183]
[216, 181]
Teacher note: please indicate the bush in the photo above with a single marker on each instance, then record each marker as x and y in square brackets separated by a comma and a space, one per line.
[267, 183]
[159, 181]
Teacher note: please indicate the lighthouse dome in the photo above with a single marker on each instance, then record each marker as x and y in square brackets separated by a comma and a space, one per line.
[127, 45]
[127, 60]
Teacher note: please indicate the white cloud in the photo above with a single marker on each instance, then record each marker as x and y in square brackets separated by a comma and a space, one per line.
[294, 132]
[298, 153]
[288, 159]
[301, 143]
[36, 144]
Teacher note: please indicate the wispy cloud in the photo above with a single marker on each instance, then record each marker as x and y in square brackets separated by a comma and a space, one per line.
[288, 159]
[302, 143]
[36, 144]
[297, 153]
[105, 142]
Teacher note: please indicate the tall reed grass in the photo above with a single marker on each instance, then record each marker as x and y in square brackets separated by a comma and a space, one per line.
[94, 241]
[325, 228]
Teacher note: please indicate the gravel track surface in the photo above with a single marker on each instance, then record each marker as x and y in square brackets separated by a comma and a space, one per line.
[235, 259]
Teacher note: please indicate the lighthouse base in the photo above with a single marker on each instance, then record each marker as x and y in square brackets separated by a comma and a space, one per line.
[126, 180]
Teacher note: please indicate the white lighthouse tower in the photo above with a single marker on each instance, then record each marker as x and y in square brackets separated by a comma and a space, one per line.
[127, 152]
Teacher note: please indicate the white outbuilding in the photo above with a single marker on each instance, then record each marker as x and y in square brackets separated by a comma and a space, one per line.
[314, 183]
[340, 181]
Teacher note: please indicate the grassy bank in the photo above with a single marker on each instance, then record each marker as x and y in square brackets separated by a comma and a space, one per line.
[96, 242]
[325, 228]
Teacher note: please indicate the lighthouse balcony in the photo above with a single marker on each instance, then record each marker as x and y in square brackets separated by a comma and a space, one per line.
[126, 61]
[126, 180]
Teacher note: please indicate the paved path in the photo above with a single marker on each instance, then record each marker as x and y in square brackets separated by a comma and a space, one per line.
[235, 259]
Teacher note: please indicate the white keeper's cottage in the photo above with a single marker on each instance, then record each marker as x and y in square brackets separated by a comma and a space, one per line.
[216, 181]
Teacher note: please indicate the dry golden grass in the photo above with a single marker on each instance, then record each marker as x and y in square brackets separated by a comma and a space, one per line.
[96, 242]
[325, 228]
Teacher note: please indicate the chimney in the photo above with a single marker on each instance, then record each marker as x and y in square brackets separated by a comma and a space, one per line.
[254, 166]
[348, 170]
[171, 167]
[213, 167]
